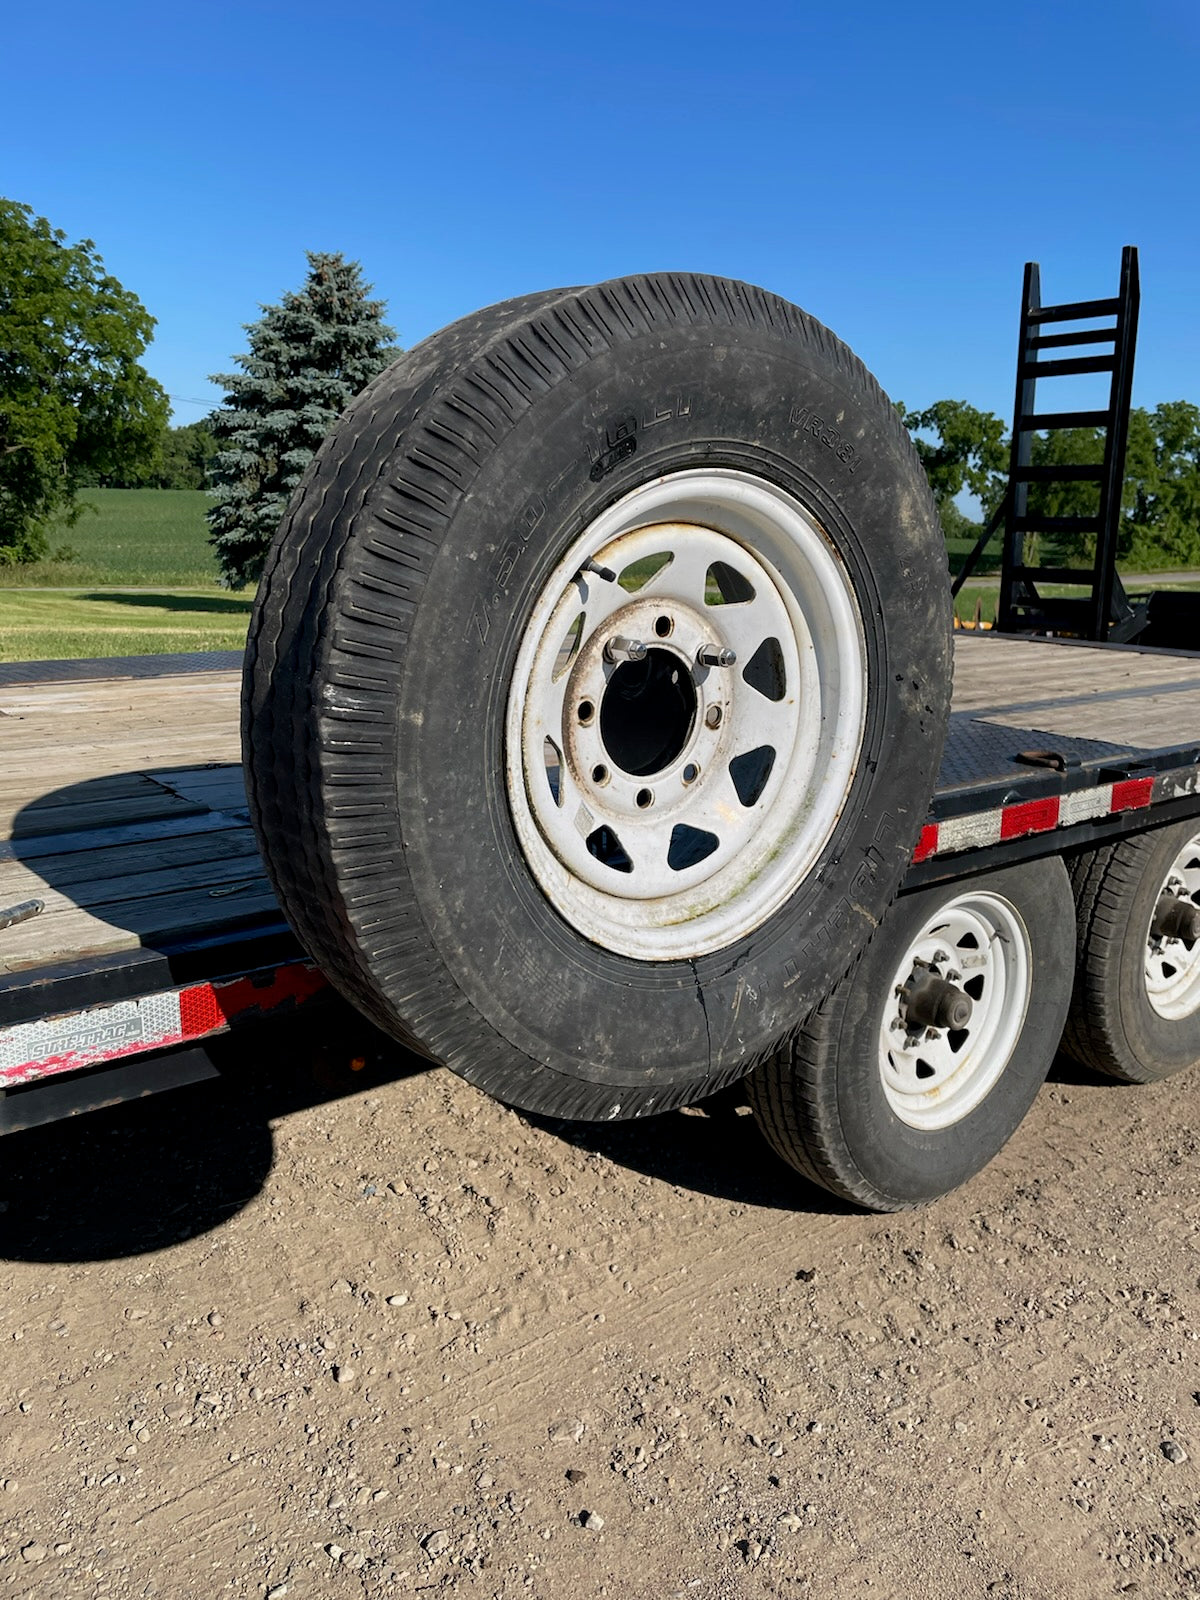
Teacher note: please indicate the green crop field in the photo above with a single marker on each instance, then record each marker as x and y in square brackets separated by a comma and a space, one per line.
[142, 537]
[134, 576]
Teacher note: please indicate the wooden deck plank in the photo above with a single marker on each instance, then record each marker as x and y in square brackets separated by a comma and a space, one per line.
[88, 873]
[149, 924]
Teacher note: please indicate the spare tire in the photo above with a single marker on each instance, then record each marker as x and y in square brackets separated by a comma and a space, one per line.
[596, 688]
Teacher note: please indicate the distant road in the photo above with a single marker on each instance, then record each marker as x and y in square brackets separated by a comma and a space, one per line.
[1129, 579]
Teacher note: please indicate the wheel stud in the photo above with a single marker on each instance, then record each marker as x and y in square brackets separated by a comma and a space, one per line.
[715, 655]
[619, 648]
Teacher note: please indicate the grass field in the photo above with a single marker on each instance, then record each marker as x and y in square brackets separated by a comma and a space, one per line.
[149, 543]
[142, 537]
[70, 624]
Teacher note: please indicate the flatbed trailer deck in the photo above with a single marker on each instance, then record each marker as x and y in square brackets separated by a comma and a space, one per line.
[123, 813]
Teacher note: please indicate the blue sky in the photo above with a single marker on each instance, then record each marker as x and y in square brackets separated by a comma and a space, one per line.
[888, 167]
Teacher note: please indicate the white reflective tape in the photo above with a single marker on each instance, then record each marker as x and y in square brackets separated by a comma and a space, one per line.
[968, 833]
[60, 1044]
[1085, 804]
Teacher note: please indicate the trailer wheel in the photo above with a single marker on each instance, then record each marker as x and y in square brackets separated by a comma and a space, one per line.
[1135, 1012]
[596, 689]
[920, 1064]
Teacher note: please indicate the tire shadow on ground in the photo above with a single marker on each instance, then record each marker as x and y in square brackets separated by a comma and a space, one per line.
[141, 1177]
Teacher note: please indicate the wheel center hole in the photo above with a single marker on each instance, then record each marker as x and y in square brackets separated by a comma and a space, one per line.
[647, 712]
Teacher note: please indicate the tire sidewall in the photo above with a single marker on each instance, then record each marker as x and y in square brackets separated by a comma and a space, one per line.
[571, 1001]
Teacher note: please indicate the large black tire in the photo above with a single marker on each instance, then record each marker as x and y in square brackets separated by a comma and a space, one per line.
[382, 650]
[821, 1098]
[1113, 1025]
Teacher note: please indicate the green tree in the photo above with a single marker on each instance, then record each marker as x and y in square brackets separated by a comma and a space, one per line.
[308, 358]
[1161, 527]
[75, 402]
[1160, 498]
[967, 453]
[187, 454]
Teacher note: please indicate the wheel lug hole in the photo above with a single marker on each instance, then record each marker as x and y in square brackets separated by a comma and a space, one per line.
[600, 773]
[663, 627]
[644, 799]
[691, 772]
[712, 717]
[586, 712]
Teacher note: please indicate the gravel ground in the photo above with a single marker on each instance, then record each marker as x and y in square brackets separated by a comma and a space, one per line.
[313, 1333]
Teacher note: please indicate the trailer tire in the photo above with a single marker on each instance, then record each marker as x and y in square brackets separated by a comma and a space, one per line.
[1135, 1011]
[402, 651]
[889, 1125]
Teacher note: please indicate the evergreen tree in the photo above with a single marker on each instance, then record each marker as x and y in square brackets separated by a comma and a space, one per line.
[308, 358]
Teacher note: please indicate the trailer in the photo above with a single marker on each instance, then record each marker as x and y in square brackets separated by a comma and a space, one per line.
[597, 742]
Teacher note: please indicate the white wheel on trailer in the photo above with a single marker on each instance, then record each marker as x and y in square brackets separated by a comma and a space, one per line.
[921, 1063]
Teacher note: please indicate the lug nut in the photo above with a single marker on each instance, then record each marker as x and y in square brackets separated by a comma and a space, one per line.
[619, 648]
[714, 655]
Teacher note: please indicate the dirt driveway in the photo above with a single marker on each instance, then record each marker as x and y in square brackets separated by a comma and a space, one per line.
[318, 1334]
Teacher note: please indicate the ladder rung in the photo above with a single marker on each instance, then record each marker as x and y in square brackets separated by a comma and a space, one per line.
[1031, 421]
[1047, 341]
[1049, 472]
[1035, 524]
[1064, 369]
[1083, 575]
[1075, 312]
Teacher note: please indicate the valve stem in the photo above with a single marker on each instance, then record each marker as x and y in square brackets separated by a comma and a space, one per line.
[606, 573]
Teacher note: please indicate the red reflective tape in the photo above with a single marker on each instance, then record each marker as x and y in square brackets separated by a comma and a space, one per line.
[207, 1008]
[290, 985]
[199, 1011]
[927, 843]
[1030, 816]
[1132, 794]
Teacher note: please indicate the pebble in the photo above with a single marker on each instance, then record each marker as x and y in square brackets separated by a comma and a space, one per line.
[567, 1430]
[397, 1299]
[436, 1543]
[592, 1520]
[11, 1485]
[277, 1591]
[334, 1552]
[791, 1522]
[1175, 1453]
[575, 1474]
[344, 1374]
[34, 1552]
[215, 1319]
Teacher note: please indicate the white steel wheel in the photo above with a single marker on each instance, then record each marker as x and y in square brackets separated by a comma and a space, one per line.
[921, 1063]
[955, 1010]
[1172, 965]
[686, 715]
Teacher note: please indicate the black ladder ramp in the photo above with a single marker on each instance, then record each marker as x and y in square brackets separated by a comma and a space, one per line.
[1101, 610]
